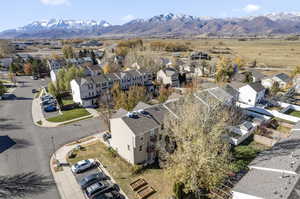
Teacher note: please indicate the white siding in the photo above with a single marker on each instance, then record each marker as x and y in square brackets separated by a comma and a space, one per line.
[247, 95]
[122, 139]
[76, 92]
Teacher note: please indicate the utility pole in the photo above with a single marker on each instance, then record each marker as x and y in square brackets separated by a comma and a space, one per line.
[53, 145]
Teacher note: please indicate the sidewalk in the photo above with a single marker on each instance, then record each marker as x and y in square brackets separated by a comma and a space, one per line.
[65, 180]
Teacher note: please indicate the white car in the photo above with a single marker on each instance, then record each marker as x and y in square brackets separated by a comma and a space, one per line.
[83, 165]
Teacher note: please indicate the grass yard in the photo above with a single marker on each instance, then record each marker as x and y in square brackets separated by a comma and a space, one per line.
[69, 115]
[67, 102]
[122, 171]
[294, 113]
[283, 129]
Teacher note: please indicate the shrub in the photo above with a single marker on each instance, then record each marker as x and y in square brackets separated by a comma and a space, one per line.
[113, 153]
[136, 169]
[178, 190]
[245, 152]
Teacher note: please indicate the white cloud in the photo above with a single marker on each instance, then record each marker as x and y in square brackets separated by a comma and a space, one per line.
[251, 8]
[128, 18]
[55, 2]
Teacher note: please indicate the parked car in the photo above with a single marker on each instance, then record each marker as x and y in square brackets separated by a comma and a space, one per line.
[50, 108]
[83, 165]
[49, 102]
[34, 77]
[34, 91]
[98, 188]
[109, 195]
[47, 97]
[91, 179]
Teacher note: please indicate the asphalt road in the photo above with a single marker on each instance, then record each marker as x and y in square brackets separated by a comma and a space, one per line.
[33, 146]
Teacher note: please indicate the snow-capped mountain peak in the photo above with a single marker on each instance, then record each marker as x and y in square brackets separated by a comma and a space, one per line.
[64, 24]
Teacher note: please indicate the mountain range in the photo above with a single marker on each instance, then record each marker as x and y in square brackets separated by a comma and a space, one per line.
[162, 25]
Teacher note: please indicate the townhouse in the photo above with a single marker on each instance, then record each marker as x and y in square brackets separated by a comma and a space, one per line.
[274, 173]
[282, 79]
[134, 134]
[86, 91]
[168, 76]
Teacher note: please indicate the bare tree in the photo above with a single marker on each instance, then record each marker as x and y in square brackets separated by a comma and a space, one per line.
[105, 105]
[194, 147]
[25, 184]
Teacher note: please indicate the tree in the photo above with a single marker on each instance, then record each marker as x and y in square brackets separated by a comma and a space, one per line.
[193, 147]
[225, 70]
[296, 71]
[24, 185]
[106, 68]
[12, 68]
[68, 52]
[239, 62]
[28, 68]
[122, 51]
[134, 96]
[2, 89]
[248, 77]
[56, 91]
[105, 105]
[5, 48]
[274, 89]
[164, 94]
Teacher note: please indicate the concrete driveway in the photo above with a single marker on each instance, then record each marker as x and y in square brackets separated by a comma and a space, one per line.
[33, 146]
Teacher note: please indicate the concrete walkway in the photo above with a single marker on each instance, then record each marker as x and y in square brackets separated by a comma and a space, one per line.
[65, 180]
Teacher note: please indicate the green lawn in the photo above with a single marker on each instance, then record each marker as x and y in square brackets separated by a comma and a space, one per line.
[294, 113]
[69, 115]
[67, 102]
[121, 171]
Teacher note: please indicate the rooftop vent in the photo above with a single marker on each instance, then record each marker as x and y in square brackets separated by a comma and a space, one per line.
[132, 115]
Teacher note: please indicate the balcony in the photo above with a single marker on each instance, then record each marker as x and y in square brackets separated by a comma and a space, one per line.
[151, 149]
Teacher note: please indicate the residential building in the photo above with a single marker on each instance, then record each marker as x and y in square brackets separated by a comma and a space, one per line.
[282, 79]
[134, 135]
[168, 76]
[275, 173]
[93, 70]
[55, 64]
[6, 62]
[252, 93]
[86, 91]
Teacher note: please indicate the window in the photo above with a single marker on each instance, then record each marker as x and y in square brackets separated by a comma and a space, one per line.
[249, 100]
[141, 148]
[142, 138]
[128, 147]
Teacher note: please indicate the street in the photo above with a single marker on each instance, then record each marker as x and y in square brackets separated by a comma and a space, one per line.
[33, 146]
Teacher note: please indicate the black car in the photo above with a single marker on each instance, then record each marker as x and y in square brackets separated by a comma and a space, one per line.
[98, 188]
[109, 195]
[91, 179]
[34, 91]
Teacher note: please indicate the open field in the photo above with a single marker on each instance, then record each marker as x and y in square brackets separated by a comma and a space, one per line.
[267, 52]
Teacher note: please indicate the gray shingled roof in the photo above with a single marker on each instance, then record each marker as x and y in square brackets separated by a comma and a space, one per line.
[152, 118]
[267, 184]
[231, 91]
[285, 155]
[141, 105]
[257, 86]
[284, 77]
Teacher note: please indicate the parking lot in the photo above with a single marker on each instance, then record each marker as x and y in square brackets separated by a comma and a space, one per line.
[97, 169]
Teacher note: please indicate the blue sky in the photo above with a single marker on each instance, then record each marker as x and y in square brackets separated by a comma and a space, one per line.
[15, 13]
